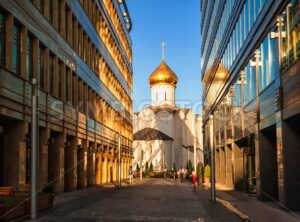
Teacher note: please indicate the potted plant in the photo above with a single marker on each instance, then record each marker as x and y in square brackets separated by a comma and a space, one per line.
[207, 173]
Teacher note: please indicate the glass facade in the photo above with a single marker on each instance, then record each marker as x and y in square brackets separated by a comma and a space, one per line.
[255, 77]
[248, 15]
[291, 26]
[16, 49]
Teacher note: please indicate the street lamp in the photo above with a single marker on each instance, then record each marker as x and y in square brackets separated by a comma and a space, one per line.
[34, 148]
[119, 160]
[211, 143]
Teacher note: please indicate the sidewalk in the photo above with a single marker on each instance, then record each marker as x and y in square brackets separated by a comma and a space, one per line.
[256, 210]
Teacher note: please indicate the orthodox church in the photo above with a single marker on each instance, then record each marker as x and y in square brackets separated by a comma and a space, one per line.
[164, 134]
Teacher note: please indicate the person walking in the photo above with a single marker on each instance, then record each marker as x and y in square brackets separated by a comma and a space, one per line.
[194, 178]
[130, 173]
[182, 174]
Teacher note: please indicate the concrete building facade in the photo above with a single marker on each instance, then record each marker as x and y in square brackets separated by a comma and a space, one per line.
[251, 75]
[80, 53]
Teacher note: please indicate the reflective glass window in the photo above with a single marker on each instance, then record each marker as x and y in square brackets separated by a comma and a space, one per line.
[246, 17]
[251, 13]
[16, 49]
[242, 26]
[250, 83]
[273, 58]
[41, 67]
[237, 101]
[29, 58]
[257, 7]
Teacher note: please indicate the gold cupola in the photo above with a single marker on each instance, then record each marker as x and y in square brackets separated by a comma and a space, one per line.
[163, 74]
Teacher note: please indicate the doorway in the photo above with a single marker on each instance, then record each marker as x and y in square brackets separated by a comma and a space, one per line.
[111, 174]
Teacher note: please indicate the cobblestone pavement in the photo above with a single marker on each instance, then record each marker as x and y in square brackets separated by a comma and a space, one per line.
[153, 200]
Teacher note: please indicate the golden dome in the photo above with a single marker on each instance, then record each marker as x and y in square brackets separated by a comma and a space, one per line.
[163, 74]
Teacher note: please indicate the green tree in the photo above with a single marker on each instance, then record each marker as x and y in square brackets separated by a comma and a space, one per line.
[189, 167]
[174, 166]
[207, 171]
[200, 171]
[151, 167]
[137, 168]
[147, 166]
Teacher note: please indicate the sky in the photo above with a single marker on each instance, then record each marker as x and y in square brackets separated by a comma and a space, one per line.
[177, 23]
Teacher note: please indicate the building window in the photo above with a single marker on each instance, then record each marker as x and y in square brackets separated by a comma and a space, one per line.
[251, 13]
[291, 26]
[2, 38]
[40, 6]
[74, 88]
[16, 49]
[267, 75]
[29, 58]
[237, 101]
[250, 83]
[59, 86]
[41, 67]
[51, 75]
[51, 11]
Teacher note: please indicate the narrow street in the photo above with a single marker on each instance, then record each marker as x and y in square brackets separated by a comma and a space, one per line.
[153, 200]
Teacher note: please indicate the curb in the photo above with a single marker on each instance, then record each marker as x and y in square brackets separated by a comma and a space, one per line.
[234, 210]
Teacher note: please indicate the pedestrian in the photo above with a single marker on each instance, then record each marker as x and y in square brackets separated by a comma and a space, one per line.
[130, 173]
[194, 178]
[182, 174]
[185, 173]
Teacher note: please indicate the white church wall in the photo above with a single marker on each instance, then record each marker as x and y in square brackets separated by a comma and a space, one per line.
[156, 152]
[163, 94]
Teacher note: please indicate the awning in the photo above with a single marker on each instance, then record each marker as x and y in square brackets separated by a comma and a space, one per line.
[148, 134]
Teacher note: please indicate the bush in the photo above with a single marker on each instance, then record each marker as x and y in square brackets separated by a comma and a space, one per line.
[151, 167]
[138, 168]
[189, 167]
[207, 171]
[174, 167]
[200, 170]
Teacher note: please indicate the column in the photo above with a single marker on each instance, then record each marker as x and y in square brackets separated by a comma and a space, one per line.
[238, 179]
[55, 12]
[44, 136]
[217, 165]
[71, 164]
[9, 23]
[62, 19]
[229, 166]
[290, 151]
[115, 168]
[23, 50]
[222, 165]
[98, 177]
[56, 166]
[104, 168]
[268, 183]
[15, 153]
[82, 165]
[91, 165]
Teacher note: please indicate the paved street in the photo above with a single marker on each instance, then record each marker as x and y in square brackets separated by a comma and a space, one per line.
[154, 200]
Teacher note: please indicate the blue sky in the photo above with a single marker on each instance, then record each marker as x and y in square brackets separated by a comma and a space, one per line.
[176, 22]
